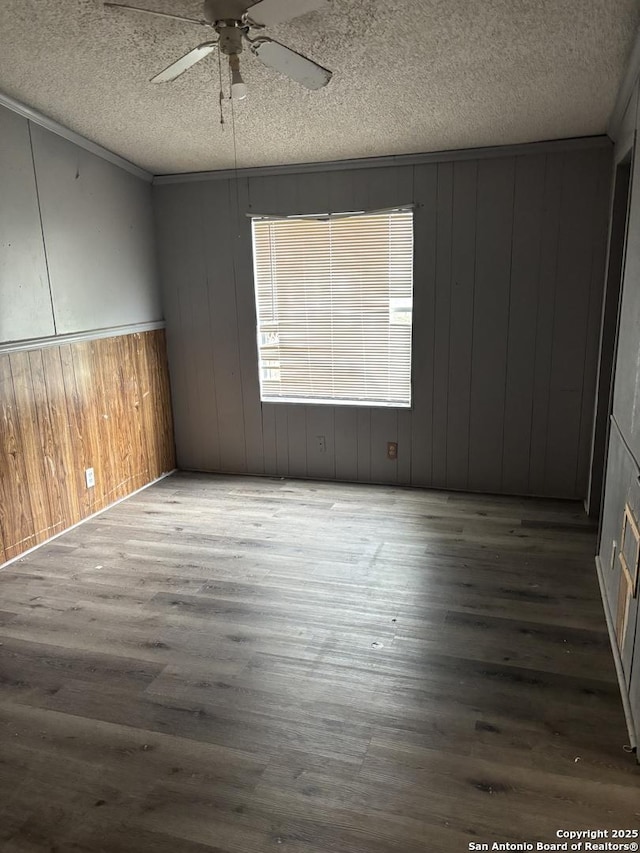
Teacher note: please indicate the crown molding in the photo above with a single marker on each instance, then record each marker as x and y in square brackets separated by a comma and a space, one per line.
[60, 130]
[517, 149]
[577, 143]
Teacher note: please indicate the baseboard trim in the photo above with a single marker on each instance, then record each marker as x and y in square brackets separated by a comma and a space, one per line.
[188, 469]
[624, 693]
[88, 518]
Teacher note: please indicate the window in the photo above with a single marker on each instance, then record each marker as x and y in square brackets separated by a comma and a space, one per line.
[334, 297]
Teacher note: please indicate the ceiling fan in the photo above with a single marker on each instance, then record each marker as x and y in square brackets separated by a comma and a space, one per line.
[233, 22]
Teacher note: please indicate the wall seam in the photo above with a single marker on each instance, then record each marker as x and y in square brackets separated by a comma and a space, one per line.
[435, 306]
[451, 286]
[599, 190]
[553, 320]
[44, 242]
[235, 220]
[473, 318]
[19, 436]
[537, 319]
[506, 366]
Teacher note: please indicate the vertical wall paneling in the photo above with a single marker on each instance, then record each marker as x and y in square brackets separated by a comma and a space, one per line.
[363, 440]
[187, 272]
[261, 199]
[463, 266]
[384, 428]
[16, 517]
[99, 404]
[29, 402]
[69, 483]
[545, 319]
[320, 424]
[98, 231]
[405, 426]
[390, 186]
[140, 443]
[424, 301]
[97, 386]
[90, 412]
[346, 443]
[201, 366]
[269, 439]
[523, 322]
[282, 440]
[61, 504]
[340, 190]
[502, 359]
[218, 251]
[490, 322]
[246, 318]
[442, 324]
[297, 439]
[129, 378]
[571, 315]
[24, 285]
[79, 434]
[160, 439]
[598, 244]
[615, 258]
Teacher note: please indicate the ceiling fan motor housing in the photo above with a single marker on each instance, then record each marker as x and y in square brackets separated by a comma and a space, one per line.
[230, 37]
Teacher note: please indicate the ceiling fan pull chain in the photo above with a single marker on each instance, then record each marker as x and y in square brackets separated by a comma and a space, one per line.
[220, 93]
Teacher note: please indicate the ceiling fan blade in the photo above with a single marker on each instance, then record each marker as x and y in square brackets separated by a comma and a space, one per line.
[290, 63]
[269, 12]
[184, 63]
[153, 12]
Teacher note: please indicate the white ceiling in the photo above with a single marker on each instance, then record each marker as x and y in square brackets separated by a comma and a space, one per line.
[409, 76]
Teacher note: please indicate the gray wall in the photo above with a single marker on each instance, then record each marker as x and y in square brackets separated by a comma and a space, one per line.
[509, 259]
[622, 484]
[77, 248]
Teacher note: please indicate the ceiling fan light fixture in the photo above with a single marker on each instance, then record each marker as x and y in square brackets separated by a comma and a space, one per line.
[239, 91]
[238, 86]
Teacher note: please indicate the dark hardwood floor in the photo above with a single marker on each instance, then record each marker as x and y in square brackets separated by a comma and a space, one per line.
[245, 665]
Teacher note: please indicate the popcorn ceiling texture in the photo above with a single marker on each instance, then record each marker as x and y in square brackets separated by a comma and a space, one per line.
[409, 76]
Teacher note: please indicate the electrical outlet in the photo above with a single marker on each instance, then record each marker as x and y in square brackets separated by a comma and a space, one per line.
[90, 477]
[392, 450]
[322, 443]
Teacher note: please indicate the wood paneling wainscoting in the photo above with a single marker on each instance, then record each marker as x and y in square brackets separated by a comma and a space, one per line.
[102, 404]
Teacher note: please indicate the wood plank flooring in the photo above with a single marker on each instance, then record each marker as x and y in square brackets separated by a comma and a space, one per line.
[246, 665]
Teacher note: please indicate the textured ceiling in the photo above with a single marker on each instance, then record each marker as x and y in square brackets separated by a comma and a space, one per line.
[409, 76]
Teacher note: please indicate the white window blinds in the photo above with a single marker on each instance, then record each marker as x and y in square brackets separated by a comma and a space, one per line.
[334, 302]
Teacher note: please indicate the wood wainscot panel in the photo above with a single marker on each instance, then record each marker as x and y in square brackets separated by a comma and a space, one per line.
[103, 404]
